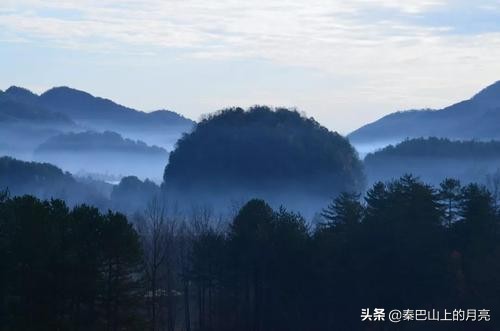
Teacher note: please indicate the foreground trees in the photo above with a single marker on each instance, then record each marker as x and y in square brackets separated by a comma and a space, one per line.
[66, 269]
[405, 245]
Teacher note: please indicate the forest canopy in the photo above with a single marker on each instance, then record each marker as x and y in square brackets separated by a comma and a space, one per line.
[433, 159]
[46, 181]
[441, 148]
[264, 148]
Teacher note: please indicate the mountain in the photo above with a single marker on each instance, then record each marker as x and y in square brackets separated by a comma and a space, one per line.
[21, 95]
[276, 154]
[434, 159]
[59, 104]
[25, 123]
[15, 112]
[475, 118]
[46, 181]
[21, 105]
[89, 141]
[97, 111]
[104, 153]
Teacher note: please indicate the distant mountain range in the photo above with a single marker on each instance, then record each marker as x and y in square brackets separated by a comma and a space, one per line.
[85, 108]
[476, 118]
[105, 153]
[96, 142]
[63, 116]
[13, 110]
[434, 159]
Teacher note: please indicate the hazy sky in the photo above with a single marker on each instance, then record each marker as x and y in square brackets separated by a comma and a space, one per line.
[343, 62]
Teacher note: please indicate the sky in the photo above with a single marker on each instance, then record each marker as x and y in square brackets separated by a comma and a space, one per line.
[345, 63]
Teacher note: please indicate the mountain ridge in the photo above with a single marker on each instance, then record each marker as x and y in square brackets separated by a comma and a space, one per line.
[474, 118]
[97, 141]
[81, 105]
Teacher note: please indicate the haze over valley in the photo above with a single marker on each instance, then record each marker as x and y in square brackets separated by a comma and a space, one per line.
[273, 153]
[85, 134]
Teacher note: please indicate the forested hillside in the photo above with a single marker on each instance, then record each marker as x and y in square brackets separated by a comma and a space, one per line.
[475, 118]
[105, 153]
[47, 181]
[434, 159]
[64, 116]
[276, 154]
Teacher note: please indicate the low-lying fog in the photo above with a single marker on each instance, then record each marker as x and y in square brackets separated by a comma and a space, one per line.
[365, 148]
[94, 160]
[109, 166]
[101, 167]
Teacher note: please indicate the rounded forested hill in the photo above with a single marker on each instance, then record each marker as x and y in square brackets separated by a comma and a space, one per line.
[263, 148]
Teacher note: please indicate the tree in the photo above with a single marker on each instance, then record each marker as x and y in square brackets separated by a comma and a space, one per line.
[157, 229]
[120, 272]
[478, 226]
[185, 251]
[83, 258]
[345, 211]
[476, 245]
[449, 194]
[66, 269]
[402, 243]
[250, 241]
[208, 253]
[4, 195]
[493, 185]
[287, 274]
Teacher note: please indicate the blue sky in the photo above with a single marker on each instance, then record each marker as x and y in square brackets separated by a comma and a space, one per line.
[345, 63]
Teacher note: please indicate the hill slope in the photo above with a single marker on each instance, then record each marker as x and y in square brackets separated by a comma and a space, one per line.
[89, 141]
[434, 159]
[83, 106]
[46, 181]
[58, 104]
[24, 123]
[105, 153]
[18, 105]
[476, 118]
[262, 152]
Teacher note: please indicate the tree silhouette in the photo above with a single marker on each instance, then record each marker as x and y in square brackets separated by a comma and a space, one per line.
[265, 269]
[344, 211]
[450, 193]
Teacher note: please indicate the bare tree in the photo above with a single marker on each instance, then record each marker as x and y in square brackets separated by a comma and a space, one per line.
[184, 251]
[157, 228]
[206, 235]
[493, 184]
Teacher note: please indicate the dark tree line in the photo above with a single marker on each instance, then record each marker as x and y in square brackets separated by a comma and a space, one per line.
[403, 245]
[65, 269]
[434, 147]
[433, 159]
